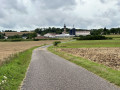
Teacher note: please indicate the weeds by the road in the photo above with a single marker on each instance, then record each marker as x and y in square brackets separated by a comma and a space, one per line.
[12, 72]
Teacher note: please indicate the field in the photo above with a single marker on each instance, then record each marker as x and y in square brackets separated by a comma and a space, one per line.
[7, 49]
[101, 57]
[115, 37]
[91, 44]
[105, 52]
[107, 56]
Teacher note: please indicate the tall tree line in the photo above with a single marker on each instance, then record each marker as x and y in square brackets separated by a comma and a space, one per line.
[105, 31]
[43, 31]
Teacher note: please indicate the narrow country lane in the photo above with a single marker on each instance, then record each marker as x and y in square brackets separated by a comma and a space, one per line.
[48, 71]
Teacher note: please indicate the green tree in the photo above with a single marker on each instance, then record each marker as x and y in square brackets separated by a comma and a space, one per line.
[32, 35]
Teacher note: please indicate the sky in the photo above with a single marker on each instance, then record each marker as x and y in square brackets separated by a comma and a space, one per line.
[85, 14]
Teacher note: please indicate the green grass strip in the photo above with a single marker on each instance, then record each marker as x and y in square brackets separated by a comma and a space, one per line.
[103, 71]
[13, 72]
[90, 44]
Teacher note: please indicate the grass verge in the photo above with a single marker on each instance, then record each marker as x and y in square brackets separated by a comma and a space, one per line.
[13, 71]
[90, 44]
[113, 76]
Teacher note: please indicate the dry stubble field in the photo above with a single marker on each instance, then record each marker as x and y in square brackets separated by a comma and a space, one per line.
[8, 49]
[107, 56]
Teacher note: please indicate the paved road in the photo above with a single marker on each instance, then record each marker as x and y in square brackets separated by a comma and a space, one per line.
[51, 72]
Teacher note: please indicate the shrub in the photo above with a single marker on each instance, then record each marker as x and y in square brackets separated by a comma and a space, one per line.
[16, 40]
[56, 43]
[35, 39]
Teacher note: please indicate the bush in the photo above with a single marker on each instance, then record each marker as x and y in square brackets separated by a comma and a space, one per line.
[92, 37]
[16, 40]
[35, 39]
[56, 43]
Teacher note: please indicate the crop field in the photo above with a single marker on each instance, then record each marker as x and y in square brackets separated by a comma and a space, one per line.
[101, 57]
[7, 49]
[105, 52]
[107, 56]
[91, 44]
[115, 37]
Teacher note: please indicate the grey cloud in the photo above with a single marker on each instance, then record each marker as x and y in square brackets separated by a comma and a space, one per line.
[55, 4]
[2, 13]
[104, 1]
[40, 13]
[13, 5]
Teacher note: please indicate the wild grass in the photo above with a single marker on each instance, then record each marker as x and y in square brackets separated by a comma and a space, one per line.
[13, 71]
[115, 37]
[110, 74]
[90, 44]
[103, 71]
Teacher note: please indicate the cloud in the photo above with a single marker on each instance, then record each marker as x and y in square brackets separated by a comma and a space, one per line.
[30, 14]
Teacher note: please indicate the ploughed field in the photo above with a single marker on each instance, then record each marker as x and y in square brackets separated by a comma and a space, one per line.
[107, 56]
[8, 49]
[105, 52]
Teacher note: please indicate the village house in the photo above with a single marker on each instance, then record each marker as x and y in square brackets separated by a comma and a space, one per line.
[82, 32]
[50, 35]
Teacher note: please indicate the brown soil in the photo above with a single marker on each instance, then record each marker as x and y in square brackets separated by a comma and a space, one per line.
[107, 56]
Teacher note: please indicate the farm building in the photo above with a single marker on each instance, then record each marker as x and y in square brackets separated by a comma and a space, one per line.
[41, 37]
[82, 32]
[50, 35]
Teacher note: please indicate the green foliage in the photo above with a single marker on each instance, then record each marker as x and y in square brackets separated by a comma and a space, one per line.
[56, 43]
[1, 36]
[16, 40]
[90, 44]
[43, 31]
[105, 31]
[32, 35]
[35, 39]
[9, 31]
[15, 37]
[14, 69]
[92, 37]
[96, 32]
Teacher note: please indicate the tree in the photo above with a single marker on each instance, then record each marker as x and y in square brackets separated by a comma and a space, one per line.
[96, 32]
[1, 35]
[32, 35]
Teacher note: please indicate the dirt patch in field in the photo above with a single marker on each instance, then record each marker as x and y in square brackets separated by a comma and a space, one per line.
[107, 56]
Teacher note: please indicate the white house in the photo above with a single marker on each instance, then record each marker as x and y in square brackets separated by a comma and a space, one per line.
[64, 36]
[51, 35]
[82, 32]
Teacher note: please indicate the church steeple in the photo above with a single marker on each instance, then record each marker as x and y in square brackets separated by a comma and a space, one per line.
[64, 26]
[64, 32]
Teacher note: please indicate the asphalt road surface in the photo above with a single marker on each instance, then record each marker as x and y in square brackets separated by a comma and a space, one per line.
[48, 71]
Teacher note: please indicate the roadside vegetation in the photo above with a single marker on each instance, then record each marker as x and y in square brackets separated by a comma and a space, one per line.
[90, 44]
[12, 72]
[92, 37]
[98, 56]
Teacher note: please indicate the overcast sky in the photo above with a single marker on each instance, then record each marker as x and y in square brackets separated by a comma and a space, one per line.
[31, 14]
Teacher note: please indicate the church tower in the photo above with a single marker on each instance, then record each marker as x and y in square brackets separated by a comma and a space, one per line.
[64, 32]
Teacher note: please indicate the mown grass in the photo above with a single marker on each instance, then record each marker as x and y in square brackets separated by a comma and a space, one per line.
[115, 37]
[103, 71]
[90, 44]
[13, 71]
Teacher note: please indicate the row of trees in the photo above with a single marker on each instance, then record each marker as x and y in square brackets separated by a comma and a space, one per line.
[27, 36]
[105, 31]
[43, 31]
[2, 35]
